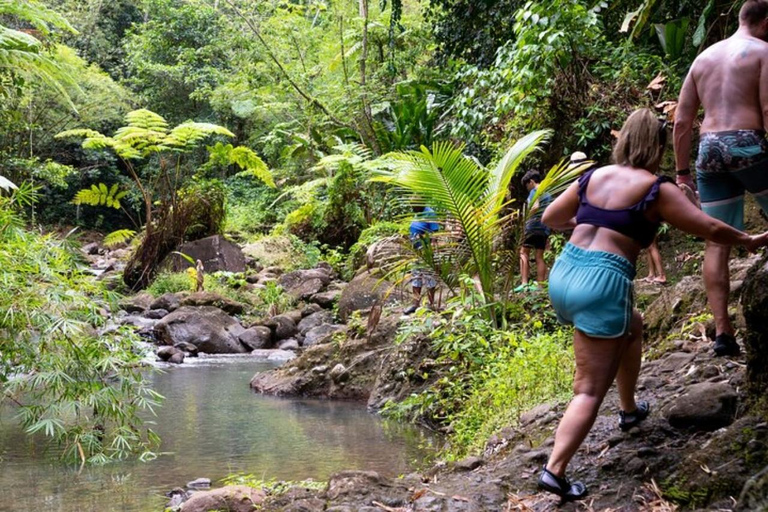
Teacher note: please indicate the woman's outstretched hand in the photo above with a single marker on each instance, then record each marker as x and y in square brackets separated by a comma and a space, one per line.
[756, 242]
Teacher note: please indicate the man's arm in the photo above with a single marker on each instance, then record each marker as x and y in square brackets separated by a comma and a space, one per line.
[687, 108]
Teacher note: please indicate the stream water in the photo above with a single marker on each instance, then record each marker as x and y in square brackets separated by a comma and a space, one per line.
[212, 425]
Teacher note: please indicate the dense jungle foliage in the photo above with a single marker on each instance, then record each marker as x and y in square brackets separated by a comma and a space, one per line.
[318, 122]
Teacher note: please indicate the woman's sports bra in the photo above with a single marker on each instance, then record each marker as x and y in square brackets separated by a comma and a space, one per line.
[630, 221]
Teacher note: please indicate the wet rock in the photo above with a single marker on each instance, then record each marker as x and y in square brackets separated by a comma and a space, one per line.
[136, 304]
[326, 299]
[289, 344]
[258, 336]
[281, 355]
[177, 497]
[213, 299]
[167, 353]
[469, 464]
[705, 406]
[144, 326]
[199, 483]
[363, 292]
[754, 495]
[295, 314]
[168, 301]
[321, 334]
[283, 327]
[348, 482]
[754, 303]
[156, 314]
[186, 347]
[216, 252]
[233, 498]
[314, 320]
[208, 328]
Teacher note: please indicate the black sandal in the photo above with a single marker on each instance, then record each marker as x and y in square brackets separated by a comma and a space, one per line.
[562, 487]
[627, 420]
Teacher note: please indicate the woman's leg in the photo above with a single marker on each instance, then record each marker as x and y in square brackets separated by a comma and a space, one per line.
[597, 361]
[629, 368]
[658, 265]
[525, 265]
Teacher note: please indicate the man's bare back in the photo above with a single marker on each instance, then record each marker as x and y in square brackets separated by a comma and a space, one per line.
[727, 81]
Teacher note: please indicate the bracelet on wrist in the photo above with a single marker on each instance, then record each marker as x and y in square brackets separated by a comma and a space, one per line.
[684, 172]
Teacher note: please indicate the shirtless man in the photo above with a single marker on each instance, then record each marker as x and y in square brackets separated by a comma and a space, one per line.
[730, 80]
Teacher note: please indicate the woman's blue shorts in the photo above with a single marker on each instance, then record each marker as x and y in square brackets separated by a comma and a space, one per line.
[593, 291]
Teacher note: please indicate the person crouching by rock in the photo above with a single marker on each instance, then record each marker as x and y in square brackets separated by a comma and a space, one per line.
[422, 226]
[614, 212]
[536, 234]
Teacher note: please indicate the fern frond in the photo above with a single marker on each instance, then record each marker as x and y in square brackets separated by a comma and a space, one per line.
[146, 120]
[189, 135]
[100, 195]
[37, 14]
[252, 165]
[118, 237]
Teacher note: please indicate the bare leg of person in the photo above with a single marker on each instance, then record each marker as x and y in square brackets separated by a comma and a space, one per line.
[525, 264]
[431, 297]
[597, 361]
[541, 266]
[629, 368]
[416, 295]
[718, 284]
[658, 265]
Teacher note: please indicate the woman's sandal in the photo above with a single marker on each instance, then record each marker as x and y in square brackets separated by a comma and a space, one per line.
[627, 420]
[568, 491]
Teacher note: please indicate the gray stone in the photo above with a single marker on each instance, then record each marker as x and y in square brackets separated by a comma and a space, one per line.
[258, 336]
[314, 320]
[156, 314]
[199, 483]
[363, 292]
[165, 353]
[289, 344]
[295, 314]
[189, 348]
[469, 464]
[136, 304]
[321, 334]
[213, 299]
[232, 498]
[208, 328]
[216, 252]
[274, 354]
[168, 301]
[326, 299]
[309, 309]
[339, 373]
[177, 358]
[706, 406]
[676, 362]
[142, 325]
[283, 327]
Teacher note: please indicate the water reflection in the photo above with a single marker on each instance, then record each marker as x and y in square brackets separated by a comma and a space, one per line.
[212, 425]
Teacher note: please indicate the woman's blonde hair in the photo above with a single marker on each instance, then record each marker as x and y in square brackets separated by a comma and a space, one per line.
[641, 141]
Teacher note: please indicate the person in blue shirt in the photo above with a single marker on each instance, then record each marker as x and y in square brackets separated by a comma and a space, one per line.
[536, 234]
[422, 226]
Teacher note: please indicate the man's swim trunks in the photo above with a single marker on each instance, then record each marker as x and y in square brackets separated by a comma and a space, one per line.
[728, 164]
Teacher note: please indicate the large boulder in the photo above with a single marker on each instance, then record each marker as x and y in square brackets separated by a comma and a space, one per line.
[326, 299]
[216, 252]
[303, 284]
[213, 299]
[208, 328]
[314, 320]
[705, 406]
[383, 253]
[363, 292]
[257, 337]
[233, 498]
[282, 326]
[321, 334]
[673, 305]
[168, 301]
[754, 302]
[137, 304]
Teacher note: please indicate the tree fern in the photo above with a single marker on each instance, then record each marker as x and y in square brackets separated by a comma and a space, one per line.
[100, 195]
[243, 157]
[118, 237]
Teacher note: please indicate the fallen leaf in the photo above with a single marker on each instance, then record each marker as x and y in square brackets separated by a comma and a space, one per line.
[418, 494]
[657, 83]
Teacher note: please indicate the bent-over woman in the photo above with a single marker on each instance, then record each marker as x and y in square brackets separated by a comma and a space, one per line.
[614, 212]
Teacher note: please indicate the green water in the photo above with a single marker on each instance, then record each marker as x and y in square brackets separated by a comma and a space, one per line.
[212, 425]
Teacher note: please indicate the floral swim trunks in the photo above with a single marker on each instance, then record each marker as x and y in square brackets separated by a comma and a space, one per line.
[730, 163]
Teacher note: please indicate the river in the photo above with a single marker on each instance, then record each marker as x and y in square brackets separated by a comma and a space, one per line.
[211, 425]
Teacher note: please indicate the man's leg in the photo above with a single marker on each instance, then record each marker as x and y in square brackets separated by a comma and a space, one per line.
[431, 297]
[541, 266]
[718, 285]
[525, 265]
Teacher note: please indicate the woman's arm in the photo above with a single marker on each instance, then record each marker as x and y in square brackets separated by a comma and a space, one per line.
[675, 208]
[560, 214]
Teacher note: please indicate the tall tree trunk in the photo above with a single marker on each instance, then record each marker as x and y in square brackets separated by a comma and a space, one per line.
[367, 116]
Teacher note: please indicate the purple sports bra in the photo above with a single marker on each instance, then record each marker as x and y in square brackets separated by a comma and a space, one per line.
[630, 221]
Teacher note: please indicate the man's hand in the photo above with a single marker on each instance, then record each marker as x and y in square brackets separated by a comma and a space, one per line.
[756, 242]
[687, 180]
